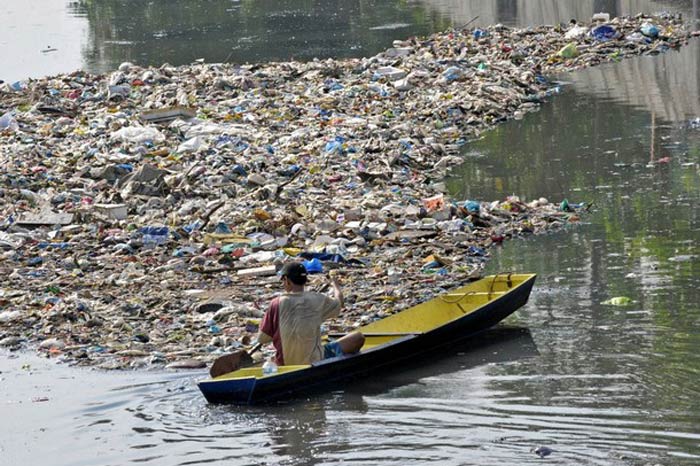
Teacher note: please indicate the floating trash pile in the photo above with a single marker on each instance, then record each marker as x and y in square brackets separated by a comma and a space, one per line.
[145, 212]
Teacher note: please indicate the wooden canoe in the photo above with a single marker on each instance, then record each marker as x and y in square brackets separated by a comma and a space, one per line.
[439, 322]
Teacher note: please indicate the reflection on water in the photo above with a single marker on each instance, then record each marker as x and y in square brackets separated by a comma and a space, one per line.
[29, 29]
[99, 35]
[596, 132]
[622, 137]
[667, 85]
[529, 12]
[264, 30]
[181, 31]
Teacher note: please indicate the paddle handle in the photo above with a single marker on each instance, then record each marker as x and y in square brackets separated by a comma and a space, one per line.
[255, 348]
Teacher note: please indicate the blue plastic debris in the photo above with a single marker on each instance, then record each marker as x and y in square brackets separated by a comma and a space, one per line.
[604, 33]
[472, 206]
[222, 229]
[335, 145]
[313, 266]
[650, 30]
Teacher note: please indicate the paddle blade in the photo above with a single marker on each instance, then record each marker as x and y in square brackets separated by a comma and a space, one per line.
[230, 362]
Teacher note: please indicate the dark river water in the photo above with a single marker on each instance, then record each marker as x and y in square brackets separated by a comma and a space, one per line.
[598, 384]
[46, 37]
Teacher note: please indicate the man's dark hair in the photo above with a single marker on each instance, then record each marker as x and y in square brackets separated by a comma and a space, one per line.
[295, 272]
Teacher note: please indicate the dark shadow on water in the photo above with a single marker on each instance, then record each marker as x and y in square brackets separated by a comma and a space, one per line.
[499, 344]
[298, 429]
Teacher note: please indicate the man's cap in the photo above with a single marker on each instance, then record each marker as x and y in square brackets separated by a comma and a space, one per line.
[295, 271]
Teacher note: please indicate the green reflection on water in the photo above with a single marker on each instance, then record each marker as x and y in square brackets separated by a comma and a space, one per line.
[597, 143]
[180, 31]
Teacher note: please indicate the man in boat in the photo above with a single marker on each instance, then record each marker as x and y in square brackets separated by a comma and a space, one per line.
[293, 321]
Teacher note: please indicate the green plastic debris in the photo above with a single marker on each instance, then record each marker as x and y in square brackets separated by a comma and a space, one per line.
[618, 301]
[568, 51]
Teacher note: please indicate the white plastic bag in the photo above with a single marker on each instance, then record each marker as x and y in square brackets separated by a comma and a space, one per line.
[8, 122]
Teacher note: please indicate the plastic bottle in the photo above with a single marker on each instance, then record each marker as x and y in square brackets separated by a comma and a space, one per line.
[269, 367]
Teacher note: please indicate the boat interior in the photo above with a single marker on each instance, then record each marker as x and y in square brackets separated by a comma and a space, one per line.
[440, 310]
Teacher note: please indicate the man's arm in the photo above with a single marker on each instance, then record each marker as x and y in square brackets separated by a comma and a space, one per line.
[270, 323]
[337, 292]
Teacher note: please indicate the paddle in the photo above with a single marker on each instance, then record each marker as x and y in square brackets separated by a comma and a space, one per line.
[234, 361]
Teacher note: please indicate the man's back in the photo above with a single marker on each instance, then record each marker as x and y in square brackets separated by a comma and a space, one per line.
[300, 319]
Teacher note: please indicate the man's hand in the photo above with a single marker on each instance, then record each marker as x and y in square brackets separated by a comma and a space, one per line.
[333, 276]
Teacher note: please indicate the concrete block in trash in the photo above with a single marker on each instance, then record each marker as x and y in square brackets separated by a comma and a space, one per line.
[403, 85]
[407, 235]
[165, 115]
[113, 211]
[352, 215]
[398, 52]
[256, 179]
[377, 226]
[391, 73]
[265, 270]
[45, 218]
[442, 214]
